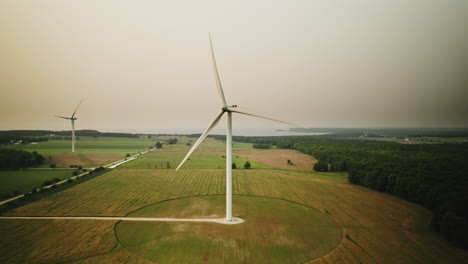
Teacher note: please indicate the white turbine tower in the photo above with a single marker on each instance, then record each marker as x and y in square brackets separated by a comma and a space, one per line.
[73, 118]
[229, 110]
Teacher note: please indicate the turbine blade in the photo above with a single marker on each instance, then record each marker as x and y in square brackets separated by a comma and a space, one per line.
[201, 138]
[218, 81]
[62, 117]
[240, 111]
[77, 108]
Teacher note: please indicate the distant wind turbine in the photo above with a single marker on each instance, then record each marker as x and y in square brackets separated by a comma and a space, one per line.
[73, 118]
[229, 110]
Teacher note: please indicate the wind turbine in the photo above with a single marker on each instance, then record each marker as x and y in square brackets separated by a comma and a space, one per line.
[229, 109]
[73, 118]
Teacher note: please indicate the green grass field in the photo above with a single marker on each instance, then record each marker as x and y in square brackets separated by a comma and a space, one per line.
[159, 159]
[209, 155]
[25, 180]
[90, 145]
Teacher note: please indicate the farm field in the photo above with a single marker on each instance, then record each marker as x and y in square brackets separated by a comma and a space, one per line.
[90, 152]
[25, 180]
[90, 145]
[211, 155]
[277, 158]
[274, 231]
[375, 227]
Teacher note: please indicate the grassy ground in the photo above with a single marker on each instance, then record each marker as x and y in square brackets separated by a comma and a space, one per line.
[274, 231]
[377, 228]
[90, 152]
[278, 158]
[209, 155]
[26, 180]
[90, 145]
[158, 159]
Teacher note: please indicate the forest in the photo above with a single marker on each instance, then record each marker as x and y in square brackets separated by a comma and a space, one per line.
[433, 175]
[12, 159]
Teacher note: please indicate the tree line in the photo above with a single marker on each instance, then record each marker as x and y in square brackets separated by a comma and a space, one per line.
[433, 175]
[12, 159]
[41, 133]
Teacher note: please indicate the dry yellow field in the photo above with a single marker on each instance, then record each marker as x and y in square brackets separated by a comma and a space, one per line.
[377, 228]
[277, 158]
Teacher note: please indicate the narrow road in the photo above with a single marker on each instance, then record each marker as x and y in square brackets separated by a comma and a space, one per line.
[235, 220]
[122, 162]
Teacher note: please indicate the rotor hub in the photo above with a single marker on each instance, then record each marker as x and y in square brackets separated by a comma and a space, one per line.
[226, 108]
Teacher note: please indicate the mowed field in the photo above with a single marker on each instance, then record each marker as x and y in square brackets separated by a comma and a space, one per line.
[273, 231]
[89, 151]
[375, 227]
[25, 180]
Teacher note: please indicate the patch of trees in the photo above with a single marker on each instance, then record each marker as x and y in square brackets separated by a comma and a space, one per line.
[47, 183]
[321, 166]
[262, 146]
[158, 145]
[433, 175]
[12, 159]
[172, 141]
[99, 169]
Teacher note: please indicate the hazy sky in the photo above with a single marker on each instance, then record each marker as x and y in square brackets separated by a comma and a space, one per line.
[145, 65]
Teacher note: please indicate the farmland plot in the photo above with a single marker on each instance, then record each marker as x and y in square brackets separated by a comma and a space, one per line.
[25, 180]
[376, 228]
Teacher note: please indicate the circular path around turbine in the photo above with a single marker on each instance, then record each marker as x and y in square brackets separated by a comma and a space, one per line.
[274, 231]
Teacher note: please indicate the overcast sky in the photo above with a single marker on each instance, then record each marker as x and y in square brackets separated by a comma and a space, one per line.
[145, 65]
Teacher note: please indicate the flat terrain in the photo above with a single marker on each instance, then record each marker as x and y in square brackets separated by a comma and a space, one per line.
[376, 228]
[277, 158]
[274, 231]
[85, 160]
[91, 145]
[25, 180]
[89, 152]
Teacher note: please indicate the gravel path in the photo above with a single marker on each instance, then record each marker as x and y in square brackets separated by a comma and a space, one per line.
[234, 221]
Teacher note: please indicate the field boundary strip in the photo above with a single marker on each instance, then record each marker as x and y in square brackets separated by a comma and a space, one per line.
[235, 220]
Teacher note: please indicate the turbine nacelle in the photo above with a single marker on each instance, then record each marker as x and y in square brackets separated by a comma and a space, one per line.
[227, 108]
